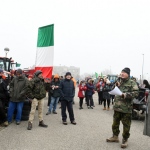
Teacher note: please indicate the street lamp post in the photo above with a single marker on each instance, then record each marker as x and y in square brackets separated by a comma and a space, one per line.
[6, 51]
[142, 67]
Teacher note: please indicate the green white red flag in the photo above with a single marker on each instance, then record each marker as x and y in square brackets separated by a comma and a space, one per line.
[45, 50]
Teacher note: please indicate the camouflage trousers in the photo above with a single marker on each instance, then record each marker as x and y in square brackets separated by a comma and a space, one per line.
[125, 118]
[40, 104]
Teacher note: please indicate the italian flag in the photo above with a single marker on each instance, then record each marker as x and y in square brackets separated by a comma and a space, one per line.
[45, 50]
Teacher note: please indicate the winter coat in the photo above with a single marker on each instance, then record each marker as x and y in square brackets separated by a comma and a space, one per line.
[90, 89]
[147, 119]
[38, 88]
[106, 89]
[18, 89]
[3, 90]
[55, 92]
[74, 81]
[99, 86]
[81, 92]
[130, 88]
[67, 90]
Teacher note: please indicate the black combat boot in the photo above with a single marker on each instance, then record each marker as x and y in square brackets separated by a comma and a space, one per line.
[41, 124]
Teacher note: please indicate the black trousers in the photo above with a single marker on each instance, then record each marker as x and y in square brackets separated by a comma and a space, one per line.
[85, 99]
[112, 98]
[49, 99]
[108, 102]
[67, 104]
[89, 101]
[81, 101]
[3, 117]
[100, 97]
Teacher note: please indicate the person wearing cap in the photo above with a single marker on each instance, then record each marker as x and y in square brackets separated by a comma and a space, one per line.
[4, 96]
[67, 92]
[123, 107]
[55, 94]
[37, 93]
[18, 91]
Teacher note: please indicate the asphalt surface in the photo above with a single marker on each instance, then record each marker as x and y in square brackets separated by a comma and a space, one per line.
[90, 133]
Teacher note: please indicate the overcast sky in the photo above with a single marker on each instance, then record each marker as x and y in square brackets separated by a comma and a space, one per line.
[91, 34]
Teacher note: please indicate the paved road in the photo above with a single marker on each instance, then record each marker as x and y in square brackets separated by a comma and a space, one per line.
[93, 127]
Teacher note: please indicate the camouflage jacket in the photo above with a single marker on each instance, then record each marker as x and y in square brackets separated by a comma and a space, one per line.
[37, 88]
[130, 88]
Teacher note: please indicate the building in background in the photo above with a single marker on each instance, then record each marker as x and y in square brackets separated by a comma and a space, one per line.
[61, 71]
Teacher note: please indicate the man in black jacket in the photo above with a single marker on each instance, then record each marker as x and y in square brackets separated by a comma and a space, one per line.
[18, 91]
[3, 97]
[67, 92]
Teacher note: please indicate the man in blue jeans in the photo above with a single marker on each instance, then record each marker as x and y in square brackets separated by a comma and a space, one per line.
[55, 94]
[18, 90]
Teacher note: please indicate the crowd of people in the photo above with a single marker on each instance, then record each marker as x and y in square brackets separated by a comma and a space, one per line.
[62, 89]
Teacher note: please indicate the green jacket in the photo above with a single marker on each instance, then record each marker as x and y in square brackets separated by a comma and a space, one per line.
[130, 88]
[37, 88]
[18, 89]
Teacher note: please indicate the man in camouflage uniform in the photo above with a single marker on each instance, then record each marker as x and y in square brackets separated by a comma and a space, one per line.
[123, 107]
[37, 92]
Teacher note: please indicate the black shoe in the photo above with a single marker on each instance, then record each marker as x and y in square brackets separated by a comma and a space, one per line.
[73, 122]
[91, 107]
[9, 123]
[65, 122]
[41, 124]
[81, 107]
[17, 122]
[48, 113]
[88, 107]
[54, 112]
[29, 125]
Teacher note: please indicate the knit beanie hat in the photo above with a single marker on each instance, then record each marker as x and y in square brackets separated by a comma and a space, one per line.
[19, 71]
[68, 73]
[126, 70]
[1, 71]
[38, 72]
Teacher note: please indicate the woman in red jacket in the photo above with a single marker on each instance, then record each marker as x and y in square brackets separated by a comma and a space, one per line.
[81, 93]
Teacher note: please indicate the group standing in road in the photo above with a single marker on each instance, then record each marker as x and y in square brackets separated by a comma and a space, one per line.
[63, 90]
